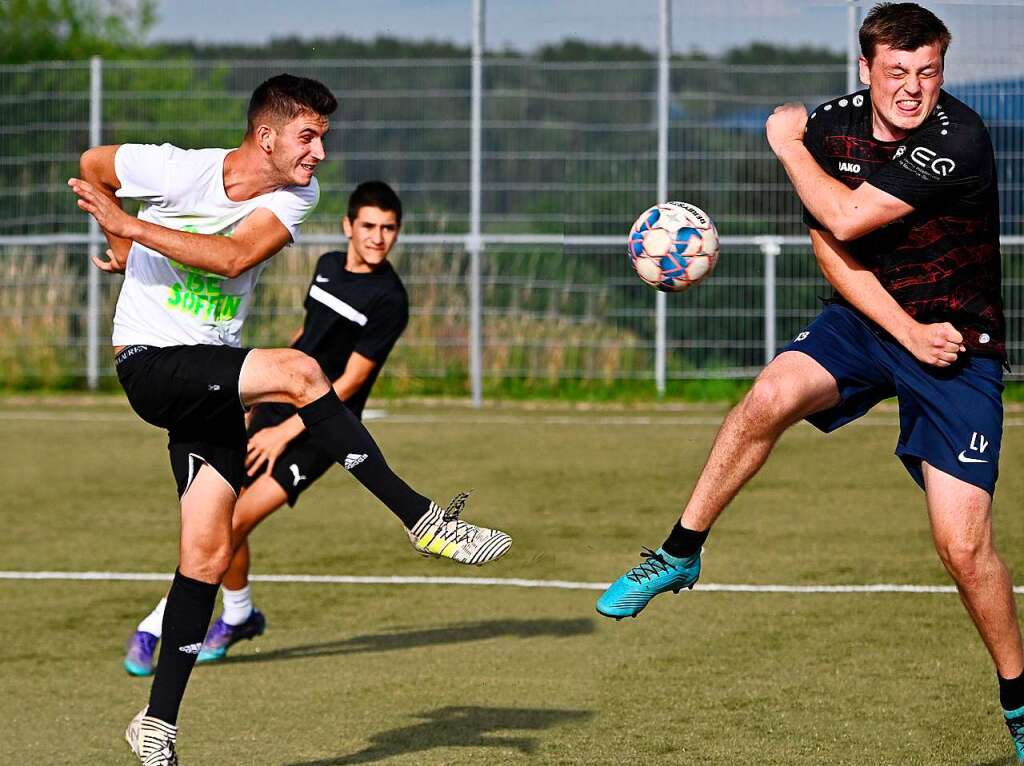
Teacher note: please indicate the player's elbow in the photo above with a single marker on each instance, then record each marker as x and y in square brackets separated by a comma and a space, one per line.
[96, 165]
[90, 162]
[239, 261]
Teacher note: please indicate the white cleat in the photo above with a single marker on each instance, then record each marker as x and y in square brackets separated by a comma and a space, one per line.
[442, 534]
[152, 740]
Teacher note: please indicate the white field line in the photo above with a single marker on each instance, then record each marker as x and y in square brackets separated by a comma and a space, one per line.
[483, 419]
[486, 581]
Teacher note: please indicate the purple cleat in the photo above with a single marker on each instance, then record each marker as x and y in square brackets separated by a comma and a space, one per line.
[221, 636]
[138, 659]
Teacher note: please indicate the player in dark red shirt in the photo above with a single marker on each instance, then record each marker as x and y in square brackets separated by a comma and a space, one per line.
[900, 192]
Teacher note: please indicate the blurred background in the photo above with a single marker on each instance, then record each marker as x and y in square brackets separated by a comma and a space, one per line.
[523, 137]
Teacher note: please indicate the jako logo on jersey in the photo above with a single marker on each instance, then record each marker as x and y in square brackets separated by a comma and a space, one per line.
[849, 167]
[191, 648]
[900, 152]
[352, 460]
[321, 279]
[801, 336]
[925, 158]
[295, 473]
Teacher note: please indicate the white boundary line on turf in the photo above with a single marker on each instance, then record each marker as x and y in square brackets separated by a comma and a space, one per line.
[511, 582]
[512, 420]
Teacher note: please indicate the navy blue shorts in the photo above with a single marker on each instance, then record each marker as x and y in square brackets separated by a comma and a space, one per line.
[950, 417]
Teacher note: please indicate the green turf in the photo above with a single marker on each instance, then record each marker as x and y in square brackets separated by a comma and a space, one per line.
[451, 675]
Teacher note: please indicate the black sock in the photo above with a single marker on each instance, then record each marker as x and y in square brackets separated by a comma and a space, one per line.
[186, 618]
[1011, 692]
[333, 426]
[683, 542]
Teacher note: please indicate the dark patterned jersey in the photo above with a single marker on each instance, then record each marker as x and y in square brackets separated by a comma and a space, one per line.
[348, 312]
[941, 262]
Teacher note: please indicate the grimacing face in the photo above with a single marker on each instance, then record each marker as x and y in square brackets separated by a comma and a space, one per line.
[370, 237]
[904, 88]
[298, 147]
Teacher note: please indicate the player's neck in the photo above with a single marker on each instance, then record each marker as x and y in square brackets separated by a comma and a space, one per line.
[246, 174]
[883, 131]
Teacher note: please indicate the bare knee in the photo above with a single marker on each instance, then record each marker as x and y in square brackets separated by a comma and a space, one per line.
[963, 559]
[303, 380]
[207, 563]
[767, 406]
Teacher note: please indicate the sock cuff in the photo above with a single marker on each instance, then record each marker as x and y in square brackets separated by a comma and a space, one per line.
[185, 584]
[320, 409]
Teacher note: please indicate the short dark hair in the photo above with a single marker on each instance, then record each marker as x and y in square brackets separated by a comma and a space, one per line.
[903, 27]
[374, 194]
[286, 96]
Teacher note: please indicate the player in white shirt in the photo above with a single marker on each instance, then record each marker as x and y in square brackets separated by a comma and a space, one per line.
[210, 219]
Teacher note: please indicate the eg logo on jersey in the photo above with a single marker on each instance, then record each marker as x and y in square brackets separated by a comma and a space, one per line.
[927, 159]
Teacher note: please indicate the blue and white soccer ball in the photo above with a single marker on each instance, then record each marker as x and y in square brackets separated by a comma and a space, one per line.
[673, 246]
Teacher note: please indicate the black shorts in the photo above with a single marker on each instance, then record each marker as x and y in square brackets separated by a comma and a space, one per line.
[301, 463]
[192, 391]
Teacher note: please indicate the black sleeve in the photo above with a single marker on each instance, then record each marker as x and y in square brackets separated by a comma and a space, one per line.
[933, 165]
[383, 327]
[814, 140]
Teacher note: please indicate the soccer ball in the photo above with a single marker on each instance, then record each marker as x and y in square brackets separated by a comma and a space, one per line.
[673, 246]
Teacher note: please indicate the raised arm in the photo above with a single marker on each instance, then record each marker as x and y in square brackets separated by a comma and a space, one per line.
[97, 168]
[846, 213]
[259, 236]
[935, 344]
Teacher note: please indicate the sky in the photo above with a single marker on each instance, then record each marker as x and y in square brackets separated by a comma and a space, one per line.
[986, 32]
[521, 24]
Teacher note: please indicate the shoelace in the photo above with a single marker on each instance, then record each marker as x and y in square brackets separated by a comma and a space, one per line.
[450, 515]
[652, 566]
[1016, 727]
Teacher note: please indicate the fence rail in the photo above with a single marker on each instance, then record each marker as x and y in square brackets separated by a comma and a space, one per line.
[519, 175]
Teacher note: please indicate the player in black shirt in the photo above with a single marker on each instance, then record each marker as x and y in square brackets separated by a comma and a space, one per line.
[356, 309]
[900, 191]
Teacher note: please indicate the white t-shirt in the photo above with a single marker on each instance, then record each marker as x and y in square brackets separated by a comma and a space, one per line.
[163, 303]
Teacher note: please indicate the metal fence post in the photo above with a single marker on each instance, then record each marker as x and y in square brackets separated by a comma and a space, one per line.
[660, 301]
[771, 249]
[852, 47]
[473, 241]
[92, 321]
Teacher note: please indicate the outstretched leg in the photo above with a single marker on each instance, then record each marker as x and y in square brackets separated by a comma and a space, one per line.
[789, 389]
[287, 375]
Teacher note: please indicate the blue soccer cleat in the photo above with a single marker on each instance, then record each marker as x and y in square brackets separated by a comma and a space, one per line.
[1015, 723]
[657, 573]
[138, 659]
[221, 636]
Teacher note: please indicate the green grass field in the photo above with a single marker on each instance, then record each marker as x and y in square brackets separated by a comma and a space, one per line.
[446, 674]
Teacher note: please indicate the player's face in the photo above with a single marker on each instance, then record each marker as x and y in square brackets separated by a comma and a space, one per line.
[370, 238]
[299, 148]
[904, 88]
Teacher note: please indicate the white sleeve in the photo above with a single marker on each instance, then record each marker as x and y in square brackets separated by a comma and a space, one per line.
[293, 204]
[142, 170]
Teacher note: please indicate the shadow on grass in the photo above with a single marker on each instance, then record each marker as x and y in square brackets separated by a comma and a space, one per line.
[1011, 761]
[409, 639]
[459, 727]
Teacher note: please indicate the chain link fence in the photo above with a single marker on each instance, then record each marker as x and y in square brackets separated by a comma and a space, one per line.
[568, 155]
